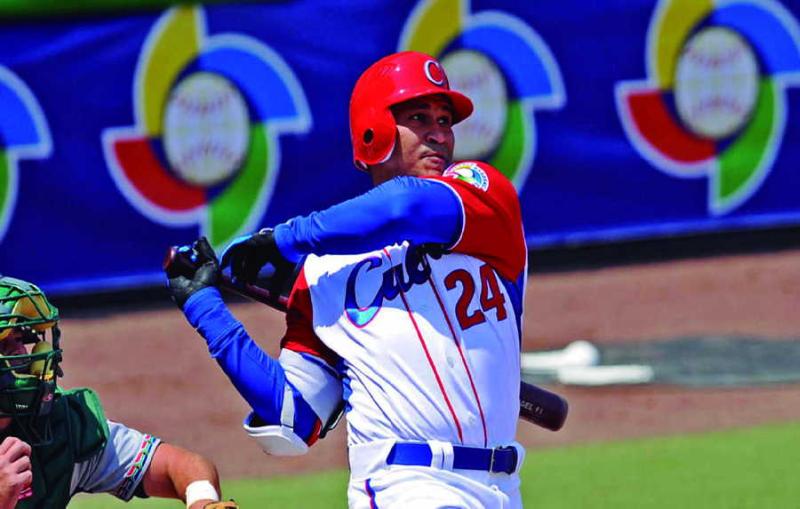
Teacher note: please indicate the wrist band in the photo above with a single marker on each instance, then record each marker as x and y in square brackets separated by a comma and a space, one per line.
[200, 490]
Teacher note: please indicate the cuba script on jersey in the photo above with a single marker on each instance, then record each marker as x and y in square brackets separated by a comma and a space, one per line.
[395, 279]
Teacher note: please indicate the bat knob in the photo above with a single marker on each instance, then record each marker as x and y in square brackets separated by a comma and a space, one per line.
[179, 261]
[169, 258]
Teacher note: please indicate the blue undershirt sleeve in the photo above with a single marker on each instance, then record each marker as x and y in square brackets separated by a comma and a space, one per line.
[258, 378]
[405, 208]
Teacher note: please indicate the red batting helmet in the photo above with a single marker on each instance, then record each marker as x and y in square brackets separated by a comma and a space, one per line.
[389, 81]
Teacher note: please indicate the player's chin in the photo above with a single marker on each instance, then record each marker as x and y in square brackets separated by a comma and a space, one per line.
[432, 166]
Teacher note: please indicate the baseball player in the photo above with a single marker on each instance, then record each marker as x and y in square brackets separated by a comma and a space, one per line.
[55, 443]
[419, 333]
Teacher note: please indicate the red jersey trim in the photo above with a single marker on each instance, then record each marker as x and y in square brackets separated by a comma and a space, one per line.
[430, 360]
[463, 358]
[300, 336]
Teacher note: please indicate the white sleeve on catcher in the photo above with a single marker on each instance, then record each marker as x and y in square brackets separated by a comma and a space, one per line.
[119, 467]
[320, 387]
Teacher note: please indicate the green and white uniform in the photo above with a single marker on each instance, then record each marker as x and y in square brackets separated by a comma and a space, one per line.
[88, 454]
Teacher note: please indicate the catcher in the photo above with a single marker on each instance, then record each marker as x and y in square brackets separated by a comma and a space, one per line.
[55, 443]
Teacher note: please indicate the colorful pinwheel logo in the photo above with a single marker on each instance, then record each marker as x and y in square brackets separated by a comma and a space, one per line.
[503, 65]
[23, 134]
[208, 112]
[714, 103]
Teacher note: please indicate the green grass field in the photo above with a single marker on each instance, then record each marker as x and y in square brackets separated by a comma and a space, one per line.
[751, 468]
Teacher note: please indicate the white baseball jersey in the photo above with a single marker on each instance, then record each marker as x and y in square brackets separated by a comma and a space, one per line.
[427, 348]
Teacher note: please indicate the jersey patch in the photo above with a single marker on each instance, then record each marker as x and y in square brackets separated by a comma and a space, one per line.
[491, 210]
[470, 173]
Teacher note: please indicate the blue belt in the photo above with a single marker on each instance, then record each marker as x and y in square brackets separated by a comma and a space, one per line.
[500, 459]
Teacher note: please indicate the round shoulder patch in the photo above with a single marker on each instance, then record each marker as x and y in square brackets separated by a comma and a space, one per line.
[470, 173]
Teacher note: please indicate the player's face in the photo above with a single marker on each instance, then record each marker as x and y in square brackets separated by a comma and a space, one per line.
[425, 141]
[13, 345]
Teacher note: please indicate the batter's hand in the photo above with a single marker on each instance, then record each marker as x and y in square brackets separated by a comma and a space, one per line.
[206, 275]
[247, 255]
[15, 471]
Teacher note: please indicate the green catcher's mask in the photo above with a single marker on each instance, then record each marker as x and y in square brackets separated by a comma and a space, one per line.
[28, 375]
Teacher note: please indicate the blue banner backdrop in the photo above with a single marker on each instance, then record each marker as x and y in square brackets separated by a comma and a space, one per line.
[122, 135]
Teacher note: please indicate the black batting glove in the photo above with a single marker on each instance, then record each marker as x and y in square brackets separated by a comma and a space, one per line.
[247, 255]
[182, 287]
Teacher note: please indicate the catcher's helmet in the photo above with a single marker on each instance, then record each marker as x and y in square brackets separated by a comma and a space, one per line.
[391, 80]
[28, 380]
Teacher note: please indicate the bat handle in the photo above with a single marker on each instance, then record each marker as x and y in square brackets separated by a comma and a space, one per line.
[254, 292]
[178, 261]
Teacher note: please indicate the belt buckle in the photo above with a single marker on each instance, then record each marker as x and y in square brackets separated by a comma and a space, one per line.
[507, 469]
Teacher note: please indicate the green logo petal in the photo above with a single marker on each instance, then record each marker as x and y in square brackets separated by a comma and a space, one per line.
[229, 212]
[743, 166]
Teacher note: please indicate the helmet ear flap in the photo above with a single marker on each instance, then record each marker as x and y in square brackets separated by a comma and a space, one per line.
[373, 137]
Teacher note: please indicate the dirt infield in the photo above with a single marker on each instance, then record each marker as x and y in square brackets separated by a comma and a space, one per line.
[153, 372]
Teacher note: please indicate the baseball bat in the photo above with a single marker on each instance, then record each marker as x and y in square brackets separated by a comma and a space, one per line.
[542, 407]
[180, 261]
[538, 406]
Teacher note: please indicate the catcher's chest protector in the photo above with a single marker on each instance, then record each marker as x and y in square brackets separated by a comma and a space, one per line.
[79, 432]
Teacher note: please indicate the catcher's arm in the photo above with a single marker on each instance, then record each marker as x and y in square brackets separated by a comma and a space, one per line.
[175, 469]
[537, 405]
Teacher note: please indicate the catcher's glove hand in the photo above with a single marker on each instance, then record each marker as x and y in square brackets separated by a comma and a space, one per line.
[230, 504]
[247, 255]
[207, 274]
